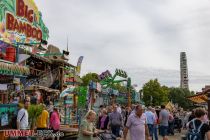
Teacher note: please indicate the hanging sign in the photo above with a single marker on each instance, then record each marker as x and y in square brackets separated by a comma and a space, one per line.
[20, 21]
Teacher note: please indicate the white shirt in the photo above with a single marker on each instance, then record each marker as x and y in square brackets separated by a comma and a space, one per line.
[136, 126]
[24, 120]
[119, 110]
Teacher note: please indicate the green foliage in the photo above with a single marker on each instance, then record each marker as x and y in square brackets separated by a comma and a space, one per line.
[154, 93]
[82, 93]
[34, 112]
[88, 77]
[178, 95]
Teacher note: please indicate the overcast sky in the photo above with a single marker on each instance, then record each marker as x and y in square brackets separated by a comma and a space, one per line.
[144, 37]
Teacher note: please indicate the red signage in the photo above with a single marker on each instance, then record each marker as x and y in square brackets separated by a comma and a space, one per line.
[15, 24]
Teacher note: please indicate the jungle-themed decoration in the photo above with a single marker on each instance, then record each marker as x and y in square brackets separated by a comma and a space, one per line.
[21, 22]
[82, 95]
[107, 80]
[13, 69]
[34, 112]
[67, 91]
[53, 52]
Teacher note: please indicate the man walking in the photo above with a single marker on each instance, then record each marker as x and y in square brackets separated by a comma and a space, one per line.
[115, 121]
[164, 118]
[150, 120]
[137, 125]
[22, 118]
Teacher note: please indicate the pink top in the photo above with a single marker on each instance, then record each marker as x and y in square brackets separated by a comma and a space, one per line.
[55, 121]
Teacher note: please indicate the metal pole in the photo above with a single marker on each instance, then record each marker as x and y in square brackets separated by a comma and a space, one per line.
[129, 97]
[129, 91]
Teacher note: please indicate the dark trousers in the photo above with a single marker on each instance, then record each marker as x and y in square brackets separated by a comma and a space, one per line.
[155, 131]
[116, 130]
[171, 127]
[22, 138]
[151, 129]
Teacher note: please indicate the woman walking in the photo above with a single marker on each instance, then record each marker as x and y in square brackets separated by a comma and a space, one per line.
[55, 121]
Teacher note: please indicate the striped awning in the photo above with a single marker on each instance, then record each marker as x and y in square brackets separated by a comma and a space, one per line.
[13, 69]
[199, 98]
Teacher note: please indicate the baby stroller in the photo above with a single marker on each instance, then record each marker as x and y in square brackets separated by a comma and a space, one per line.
[106, 135]
[178, 124]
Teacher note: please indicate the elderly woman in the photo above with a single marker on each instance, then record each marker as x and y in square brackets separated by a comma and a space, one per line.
[87, 129]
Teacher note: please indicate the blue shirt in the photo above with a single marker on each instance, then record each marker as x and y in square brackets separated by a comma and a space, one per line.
[150, 117]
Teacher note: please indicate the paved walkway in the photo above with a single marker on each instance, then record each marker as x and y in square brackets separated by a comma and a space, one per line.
[177, 136]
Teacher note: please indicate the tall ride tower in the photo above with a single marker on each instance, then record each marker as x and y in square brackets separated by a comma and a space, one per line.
[183, 71]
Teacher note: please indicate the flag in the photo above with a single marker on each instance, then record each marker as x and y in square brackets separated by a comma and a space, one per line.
[79, 63]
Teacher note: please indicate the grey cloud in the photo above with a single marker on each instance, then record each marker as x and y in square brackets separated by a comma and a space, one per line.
[137, 33]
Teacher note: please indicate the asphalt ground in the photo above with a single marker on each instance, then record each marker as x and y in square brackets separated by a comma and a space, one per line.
[176, 136]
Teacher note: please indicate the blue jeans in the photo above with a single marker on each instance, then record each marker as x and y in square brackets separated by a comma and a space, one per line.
[151, 129]
[116, 130]
[155, 130]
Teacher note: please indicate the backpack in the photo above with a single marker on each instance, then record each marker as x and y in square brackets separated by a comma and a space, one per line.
[195, 133]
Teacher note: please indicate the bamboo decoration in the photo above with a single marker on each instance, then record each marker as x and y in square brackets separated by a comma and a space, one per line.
[12, 69]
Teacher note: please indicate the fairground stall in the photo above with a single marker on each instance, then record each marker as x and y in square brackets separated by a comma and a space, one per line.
[202, 98]
[11, 92]
[21, 27]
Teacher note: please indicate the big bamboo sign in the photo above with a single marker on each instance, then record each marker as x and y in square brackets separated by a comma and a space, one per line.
[20, 21]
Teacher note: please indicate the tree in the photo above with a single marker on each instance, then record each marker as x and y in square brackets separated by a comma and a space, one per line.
[154, 93]
[88, 77]
[178, 96]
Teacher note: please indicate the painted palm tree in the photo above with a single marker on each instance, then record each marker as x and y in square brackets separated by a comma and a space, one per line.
[107, 80]
[6, 5]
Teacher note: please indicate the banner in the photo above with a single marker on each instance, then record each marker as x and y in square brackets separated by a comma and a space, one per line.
[79, 63]
[20, 21]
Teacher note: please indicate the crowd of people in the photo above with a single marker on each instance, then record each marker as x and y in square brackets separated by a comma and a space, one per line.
[48, 119]
[140, 123]
[133, 123]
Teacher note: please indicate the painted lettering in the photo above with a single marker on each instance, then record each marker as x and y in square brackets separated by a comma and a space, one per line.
[22, 27]
[10, 21]
[20, 8]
